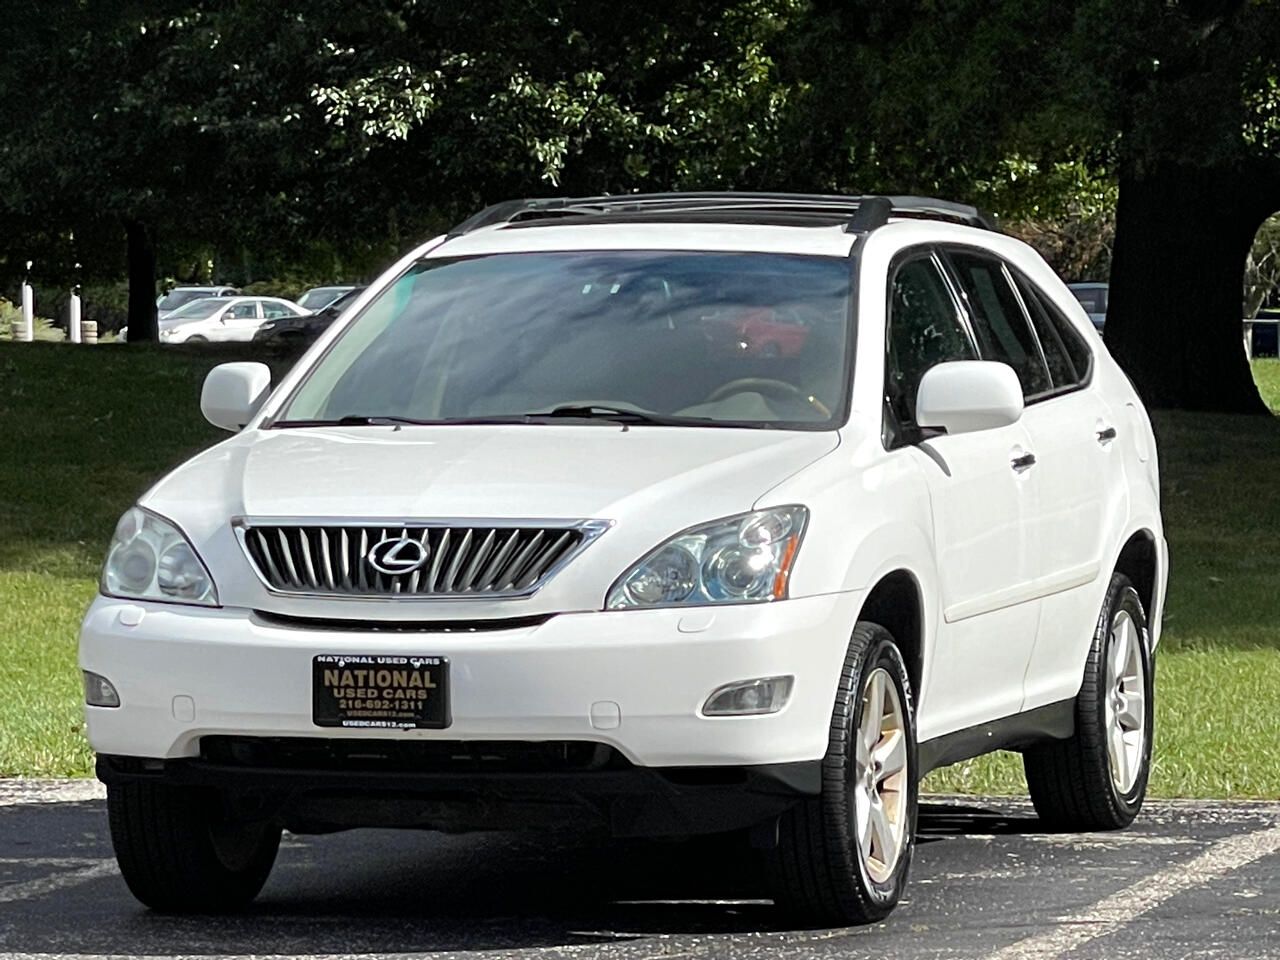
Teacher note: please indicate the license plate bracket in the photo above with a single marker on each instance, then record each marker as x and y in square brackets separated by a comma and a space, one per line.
[380, 691]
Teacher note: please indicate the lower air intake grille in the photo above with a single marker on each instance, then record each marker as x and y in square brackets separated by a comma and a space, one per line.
[423, 559]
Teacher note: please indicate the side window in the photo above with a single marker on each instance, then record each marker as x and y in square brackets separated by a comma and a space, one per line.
[1069, 357]
[1070, 338]
[998, 321]
[246, 310]
[924, 329]
[273, 311]
[1061, 368]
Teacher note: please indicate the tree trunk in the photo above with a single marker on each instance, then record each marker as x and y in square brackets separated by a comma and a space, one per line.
[143, 325]
[1175, 306]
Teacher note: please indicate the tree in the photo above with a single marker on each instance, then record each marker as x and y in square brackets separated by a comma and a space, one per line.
[156, 123]
[1262, 269]
[1178, 99]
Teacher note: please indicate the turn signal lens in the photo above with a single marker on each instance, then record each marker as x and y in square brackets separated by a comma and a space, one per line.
[98, 691]
[749, 697]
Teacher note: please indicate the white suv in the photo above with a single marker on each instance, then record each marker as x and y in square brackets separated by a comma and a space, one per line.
[673, 514]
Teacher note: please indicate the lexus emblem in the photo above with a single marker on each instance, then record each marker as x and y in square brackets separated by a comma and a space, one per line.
[396, 555]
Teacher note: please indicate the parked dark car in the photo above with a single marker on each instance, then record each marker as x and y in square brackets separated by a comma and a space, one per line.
[179, 297]
[301, 332]
[1093, 297]
[1265, 334]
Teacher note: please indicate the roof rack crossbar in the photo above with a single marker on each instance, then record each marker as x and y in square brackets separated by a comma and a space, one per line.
[864, 213]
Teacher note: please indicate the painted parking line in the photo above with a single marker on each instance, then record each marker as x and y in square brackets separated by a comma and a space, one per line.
[1110, 914]
[28, 889]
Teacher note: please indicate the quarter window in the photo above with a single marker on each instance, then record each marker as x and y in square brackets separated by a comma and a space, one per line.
[925, 329]
[998, 321]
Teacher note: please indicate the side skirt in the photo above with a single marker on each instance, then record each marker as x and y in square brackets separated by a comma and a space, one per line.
[1053, 721]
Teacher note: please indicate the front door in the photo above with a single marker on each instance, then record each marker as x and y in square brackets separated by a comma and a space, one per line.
[983, 503]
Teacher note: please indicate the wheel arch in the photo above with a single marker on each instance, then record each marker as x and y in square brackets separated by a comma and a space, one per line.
[896, 602]
[1139, 560]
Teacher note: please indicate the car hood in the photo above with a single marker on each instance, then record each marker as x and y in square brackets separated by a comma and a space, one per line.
[493, 471]
[647, 482]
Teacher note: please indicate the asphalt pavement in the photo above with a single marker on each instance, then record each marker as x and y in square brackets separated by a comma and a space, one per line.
[1188, 879]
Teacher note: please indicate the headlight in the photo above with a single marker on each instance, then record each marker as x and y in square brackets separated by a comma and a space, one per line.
[150, 559]
[742, 559]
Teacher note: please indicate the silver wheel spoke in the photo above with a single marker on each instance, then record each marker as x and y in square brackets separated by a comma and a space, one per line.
[1119, 648]
[861, 754]
[873, 710]
[1120, 755]
[891, 754]
[864, 826]
[1133, 714]
[885, 847]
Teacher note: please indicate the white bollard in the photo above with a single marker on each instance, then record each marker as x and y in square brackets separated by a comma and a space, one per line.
[89, 331]
[73, 318]
[28, 314]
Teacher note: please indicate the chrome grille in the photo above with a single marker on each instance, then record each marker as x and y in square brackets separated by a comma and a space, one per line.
[458, 559]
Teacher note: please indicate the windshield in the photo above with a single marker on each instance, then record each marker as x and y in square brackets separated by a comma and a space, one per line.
[199, 309]
[747, 339]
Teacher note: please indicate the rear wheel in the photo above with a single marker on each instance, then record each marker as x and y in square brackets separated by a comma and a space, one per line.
[1097, 779]
[842, 857]
[181, 852]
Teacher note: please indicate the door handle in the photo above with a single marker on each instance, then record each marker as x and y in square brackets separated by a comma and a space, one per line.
[1024, 462]
[1106, 435]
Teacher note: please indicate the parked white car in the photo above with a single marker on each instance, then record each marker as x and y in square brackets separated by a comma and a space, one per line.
[536, 534]
[221, 319]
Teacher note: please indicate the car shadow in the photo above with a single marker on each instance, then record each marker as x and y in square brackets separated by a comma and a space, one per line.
[377, 891]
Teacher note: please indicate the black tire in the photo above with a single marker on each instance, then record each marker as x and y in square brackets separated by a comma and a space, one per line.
[817, 870]
[196, 339]
[1071, 781]
[179, 852]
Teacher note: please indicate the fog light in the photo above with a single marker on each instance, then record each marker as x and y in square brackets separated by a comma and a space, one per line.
[98, 691]
[747, 697]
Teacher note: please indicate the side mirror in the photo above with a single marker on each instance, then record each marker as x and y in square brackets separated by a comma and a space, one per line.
[233, 392]
[962, 396]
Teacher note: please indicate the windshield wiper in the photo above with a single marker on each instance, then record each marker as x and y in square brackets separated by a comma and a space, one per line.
[354, 420]
[595, 411]
[598, 412]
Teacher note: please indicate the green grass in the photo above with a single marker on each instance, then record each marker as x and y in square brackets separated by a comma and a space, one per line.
[1218, 672]
[83, 431]
[1266, 373]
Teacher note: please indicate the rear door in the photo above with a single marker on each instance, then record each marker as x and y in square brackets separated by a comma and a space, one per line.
[1070, 431]
[1083, 493]
[983, 505]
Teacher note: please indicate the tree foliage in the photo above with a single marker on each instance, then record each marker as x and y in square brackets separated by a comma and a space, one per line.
[261, 131]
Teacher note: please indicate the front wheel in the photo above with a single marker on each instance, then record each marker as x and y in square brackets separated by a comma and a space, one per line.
[1097, 779]
[842, 857]
[181, 852]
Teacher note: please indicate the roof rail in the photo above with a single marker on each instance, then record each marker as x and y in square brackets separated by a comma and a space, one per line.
[859, 214]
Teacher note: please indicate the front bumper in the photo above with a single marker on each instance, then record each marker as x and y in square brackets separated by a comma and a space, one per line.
[632, 680]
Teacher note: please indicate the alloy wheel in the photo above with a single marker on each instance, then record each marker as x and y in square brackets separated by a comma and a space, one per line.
[880, 787]
[1125, 703]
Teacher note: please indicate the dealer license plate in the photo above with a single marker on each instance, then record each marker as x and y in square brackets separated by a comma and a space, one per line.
[375, 691]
